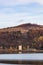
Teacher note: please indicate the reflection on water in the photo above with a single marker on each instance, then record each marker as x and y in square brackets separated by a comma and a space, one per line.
[16, 64]
[33, 56]
[5, 64]
[21, 64]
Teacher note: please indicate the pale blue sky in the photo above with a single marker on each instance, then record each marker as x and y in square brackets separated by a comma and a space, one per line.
[15, 12]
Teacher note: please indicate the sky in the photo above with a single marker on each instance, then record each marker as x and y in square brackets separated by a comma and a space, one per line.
[16, 12]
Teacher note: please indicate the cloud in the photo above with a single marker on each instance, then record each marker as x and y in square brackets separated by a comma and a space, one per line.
[15, 12]
[16, 2]
[32, 8]
[8, 20]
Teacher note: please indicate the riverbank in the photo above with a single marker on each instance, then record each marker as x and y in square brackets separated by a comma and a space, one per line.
[10, 51]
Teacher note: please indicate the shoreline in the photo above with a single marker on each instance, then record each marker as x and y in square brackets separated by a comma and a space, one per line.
[4, 51]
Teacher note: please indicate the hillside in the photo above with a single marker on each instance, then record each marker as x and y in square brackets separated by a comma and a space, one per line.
[25, 34]
[22, 27]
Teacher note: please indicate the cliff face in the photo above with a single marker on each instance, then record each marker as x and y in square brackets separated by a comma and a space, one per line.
[25, 34]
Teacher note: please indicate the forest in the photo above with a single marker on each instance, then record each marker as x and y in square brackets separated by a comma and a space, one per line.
[25, 34]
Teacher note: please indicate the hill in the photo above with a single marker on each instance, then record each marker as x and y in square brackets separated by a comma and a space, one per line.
[26, 35]
[22, 27]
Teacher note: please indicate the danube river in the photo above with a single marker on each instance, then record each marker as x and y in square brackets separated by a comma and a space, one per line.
[26, 57]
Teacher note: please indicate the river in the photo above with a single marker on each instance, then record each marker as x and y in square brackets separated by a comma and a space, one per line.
[32, 56]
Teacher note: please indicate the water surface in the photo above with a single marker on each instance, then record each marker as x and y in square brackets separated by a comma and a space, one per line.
[33, 56]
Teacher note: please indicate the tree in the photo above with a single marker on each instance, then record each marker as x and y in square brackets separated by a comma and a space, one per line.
[38, 42]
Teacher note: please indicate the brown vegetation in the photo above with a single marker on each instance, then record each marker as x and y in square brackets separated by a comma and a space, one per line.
[26, 34]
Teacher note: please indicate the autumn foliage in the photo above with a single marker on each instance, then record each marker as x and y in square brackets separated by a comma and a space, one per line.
[26, 34]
